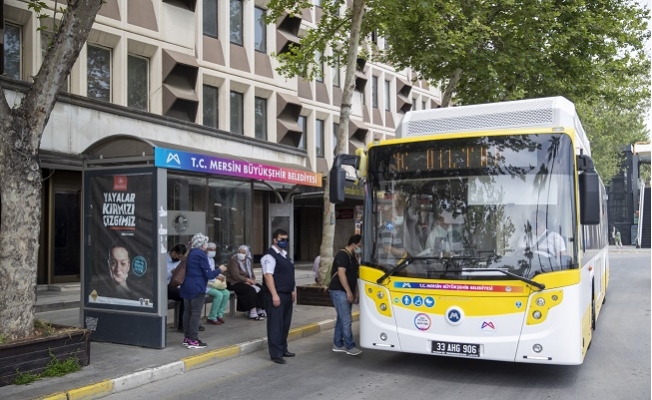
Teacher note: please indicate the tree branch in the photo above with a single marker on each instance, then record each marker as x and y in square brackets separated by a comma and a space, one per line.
[68, 41]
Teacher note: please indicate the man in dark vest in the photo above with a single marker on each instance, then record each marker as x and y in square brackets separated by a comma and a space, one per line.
[278, 295]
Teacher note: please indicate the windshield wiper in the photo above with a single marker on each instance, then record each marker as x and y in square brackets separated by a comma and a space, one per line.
[538, 285]
[404, 263]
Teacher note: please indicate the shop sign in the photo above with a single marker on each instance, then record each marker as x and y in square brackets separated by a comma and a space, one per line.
[185, 161]
[344, 213]
[352, 190]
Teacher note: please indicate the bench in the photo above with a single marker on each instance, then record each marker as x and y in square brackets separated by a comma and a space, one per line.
[173, 304]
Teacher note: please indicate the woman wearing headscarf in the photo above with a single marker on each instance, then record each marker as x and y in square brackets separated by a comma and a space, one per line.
[193, 289]
[241, 279]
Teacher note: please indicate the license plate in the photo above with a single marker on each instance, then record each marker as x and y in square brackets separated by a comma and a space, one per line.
[459, 349]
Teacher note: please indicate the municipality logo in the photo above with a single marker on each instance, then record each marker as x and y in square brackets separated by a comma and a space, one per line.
[454, 315]
[173, 157]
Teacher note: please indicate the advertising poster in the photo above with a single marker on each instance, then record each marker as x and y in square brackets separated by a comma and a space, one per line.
[120, 241]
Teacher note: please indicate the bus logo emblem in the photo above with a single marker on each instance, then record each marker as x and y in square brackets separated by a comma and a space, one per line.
[488, 327]
[454, 316]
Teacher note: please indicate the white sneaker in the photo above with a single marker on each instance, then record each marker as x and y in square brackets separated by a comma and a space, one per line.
[339, 349]
[354, 351]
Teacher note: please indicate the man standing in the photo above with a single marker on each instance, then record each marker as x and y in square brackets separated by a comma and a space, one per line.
[343, 291]
[278, 295]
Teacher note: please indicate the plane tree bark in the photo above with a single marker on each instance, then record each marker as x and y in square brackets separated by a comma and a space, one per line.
[21, 130]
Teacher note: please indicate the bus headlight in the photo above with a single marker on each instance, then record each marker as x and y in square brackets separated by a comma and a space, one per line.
[541, 302]
[554, 297]
[380, 295]
[536, 314]
[537, 348]
[383, 307]
[383, 336]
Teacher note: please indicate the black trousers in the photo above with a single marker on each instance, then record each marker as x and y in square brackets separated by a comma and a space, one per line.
[247, 296]
[278, 323]
[173, 294]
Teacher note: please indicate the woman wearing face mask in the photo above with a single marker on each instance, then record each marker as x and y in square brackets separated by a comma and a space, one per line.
[343, 291]
[217, 289]
[242, 280]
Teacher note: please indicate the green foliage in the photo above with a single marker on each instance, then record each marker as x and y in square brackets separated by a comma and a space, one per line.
[39, 8]
[25, 378]
[610, 126]
[60, 368]
[3, 338]
[330, 36]
[645, 174]
[54, 368]
[512, 49]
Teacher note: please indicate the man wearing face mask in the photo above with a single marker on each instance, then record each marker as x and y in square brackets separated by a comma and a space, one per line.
[391, 234]
[343, 293]
[279, 294]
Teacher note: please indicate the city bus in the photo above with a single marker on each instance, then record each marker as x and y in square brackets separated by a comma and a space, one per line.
[484, 234]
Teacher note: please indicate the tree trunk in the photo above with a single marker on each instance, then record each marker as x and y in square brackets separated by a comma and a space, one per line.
[450, 88]
[19, 235]
[21, 130]
[328, 231]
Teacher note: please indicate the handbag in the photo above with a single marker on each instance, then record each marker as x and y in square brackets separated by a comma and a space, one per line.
[179, 274]
[217, 284]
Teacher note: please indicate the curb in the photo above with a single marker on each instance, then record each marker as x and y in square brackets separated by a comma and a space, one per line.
[186, 364]
[58, 305]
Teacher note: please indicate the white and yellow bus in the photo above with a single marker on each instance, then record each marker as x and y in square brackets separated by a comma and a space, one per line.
[484, 234]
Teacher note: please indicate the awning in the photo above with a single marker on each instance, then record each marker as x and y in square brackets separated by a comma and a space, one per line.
[122, 149]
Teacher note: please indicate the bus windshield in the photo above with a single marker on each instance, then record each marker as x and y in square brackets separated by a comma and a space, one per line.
[472, 208]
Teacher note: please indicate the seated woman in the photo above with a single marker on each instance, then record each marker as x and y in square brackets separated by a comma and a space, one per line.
[217, 288]
[241, 279]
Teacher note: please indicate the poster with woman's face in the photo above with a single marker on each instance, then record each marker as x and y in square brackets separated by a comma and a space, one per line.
[119, 241]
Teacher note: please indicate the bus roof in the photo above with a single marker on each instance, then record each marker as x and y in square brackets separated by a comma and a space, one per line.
[549, 112]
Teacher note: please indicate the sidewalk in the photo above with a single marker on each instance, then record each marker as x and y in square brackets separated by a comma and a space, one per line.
[116, 367]
[628, 249]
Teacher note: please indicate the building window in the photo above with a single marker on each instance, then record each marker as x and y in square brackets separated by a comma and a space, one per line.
[319, 73]
[337, 78]
[236, 22]
[374, 91]
[423, 105]
[13, 47]
[260, 106]
[319, 137]
[211, 106]
[414, 104]
[303, 123]
[138, 83]
[387, 96]
[237, 113]
[336, 128]
[99, 73]
[261, 30]
[210, 18]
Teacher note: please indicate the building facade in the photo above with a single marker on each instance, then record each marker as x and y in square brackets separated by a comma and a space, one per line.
[197, 79]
